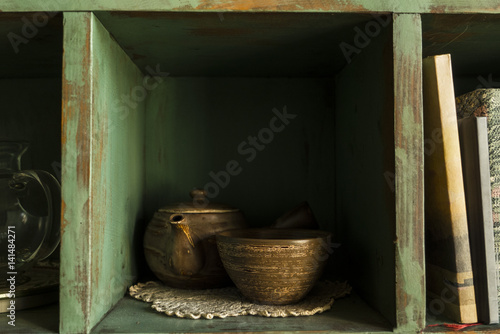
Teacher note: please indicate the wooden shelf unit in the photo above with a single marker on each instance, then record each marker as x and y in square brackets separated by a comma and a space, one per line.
[132, 142]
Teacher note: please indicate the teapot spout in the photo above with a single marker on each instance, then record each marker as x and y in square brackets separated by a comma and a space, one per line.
[176, 219]
[179, 221]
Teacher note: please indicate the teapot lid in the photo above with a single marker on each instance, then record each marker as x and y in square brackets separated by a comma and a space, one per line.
[199, 204]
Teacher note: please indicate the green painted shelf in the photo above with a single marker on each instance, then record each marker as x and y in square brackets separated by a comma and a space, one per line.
[350, 314]
[125, 143]
[219, 78]
[40, 320]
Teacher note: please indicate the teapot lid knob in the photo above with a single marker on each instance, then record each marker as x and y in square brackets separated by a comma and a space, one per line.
[197, 193]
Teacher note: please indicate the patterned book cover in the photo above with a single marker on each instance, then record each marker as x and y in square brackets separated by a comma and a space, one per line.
[450, 283]
[485, 103]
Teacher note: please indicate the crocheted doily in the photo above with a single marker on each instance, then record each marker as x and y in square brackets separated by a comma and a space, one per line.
[228, 302]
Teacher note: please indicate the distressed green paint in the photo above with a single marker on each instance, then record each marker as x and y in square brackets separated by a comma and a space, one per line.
[103, 171]
[104, 205]
[364, 145]
[398, 6]
[75, 290]
[350, 315]
[236, 44]
[408, 137]
[117, 173]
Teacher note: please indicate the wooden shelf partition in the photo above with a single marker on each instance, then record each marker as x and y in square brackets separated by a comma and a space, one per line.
[155, 96]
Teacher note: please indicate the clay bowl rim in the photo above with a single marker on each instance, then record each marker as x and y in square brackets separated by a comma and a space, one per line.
[290, 236]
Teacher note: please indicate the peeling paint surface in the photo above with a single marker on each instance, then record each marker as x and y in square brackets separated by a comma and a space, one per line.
[408, 132]
[102, 140]
[397, 6]
[75, 263]
[235, 44]
[102, 177]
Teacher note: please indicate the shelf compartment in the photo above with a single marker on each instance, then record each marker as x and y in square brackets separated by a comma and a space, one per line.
[358, 130]
[31, 87]
[30, 82]
[471, 41]
[42, 319]
[32, 45]
[351, 315]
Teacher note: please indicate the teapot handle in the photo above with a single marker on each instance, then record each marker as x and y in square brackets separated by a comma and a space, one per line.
[52, 190]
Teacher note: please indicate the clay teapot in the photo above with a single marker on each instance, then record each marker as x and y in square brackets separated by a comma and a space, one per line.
[179, 242]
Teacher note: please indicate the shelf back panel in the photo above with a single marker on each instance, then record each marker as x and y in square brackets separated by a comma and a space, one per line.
[197, 126]
[31, 45]
[364, 148]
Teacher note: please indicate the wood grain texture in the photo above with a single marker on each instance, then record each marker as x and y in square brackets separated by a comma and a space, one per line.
[409, 164]
[102, 173]
[397, 6]
[118, 115]
[76, 147]
[449, 268]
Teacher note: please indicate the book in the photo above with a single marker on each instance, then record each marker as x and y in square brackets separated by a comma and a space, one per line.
[450, 283]
[473, 132]
[483, 106]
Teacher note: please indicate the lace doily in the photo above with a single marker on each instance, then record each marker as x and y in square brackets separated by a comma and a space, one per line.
[228, 302]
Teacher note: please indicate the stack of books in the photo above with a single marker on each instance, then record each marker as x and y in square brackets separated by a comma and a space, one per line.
[462, 196]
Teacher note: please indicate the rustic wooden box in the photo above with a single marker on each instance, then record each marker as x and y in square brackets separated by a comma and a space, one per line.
[131, 142]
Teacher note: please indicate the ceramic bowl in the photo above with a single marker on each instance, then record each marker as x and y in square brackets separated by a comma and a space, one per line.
[274, 266]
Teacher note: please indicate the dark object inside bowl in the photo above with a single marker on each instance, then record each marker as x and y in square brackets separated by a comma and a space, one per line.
[274, 266]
